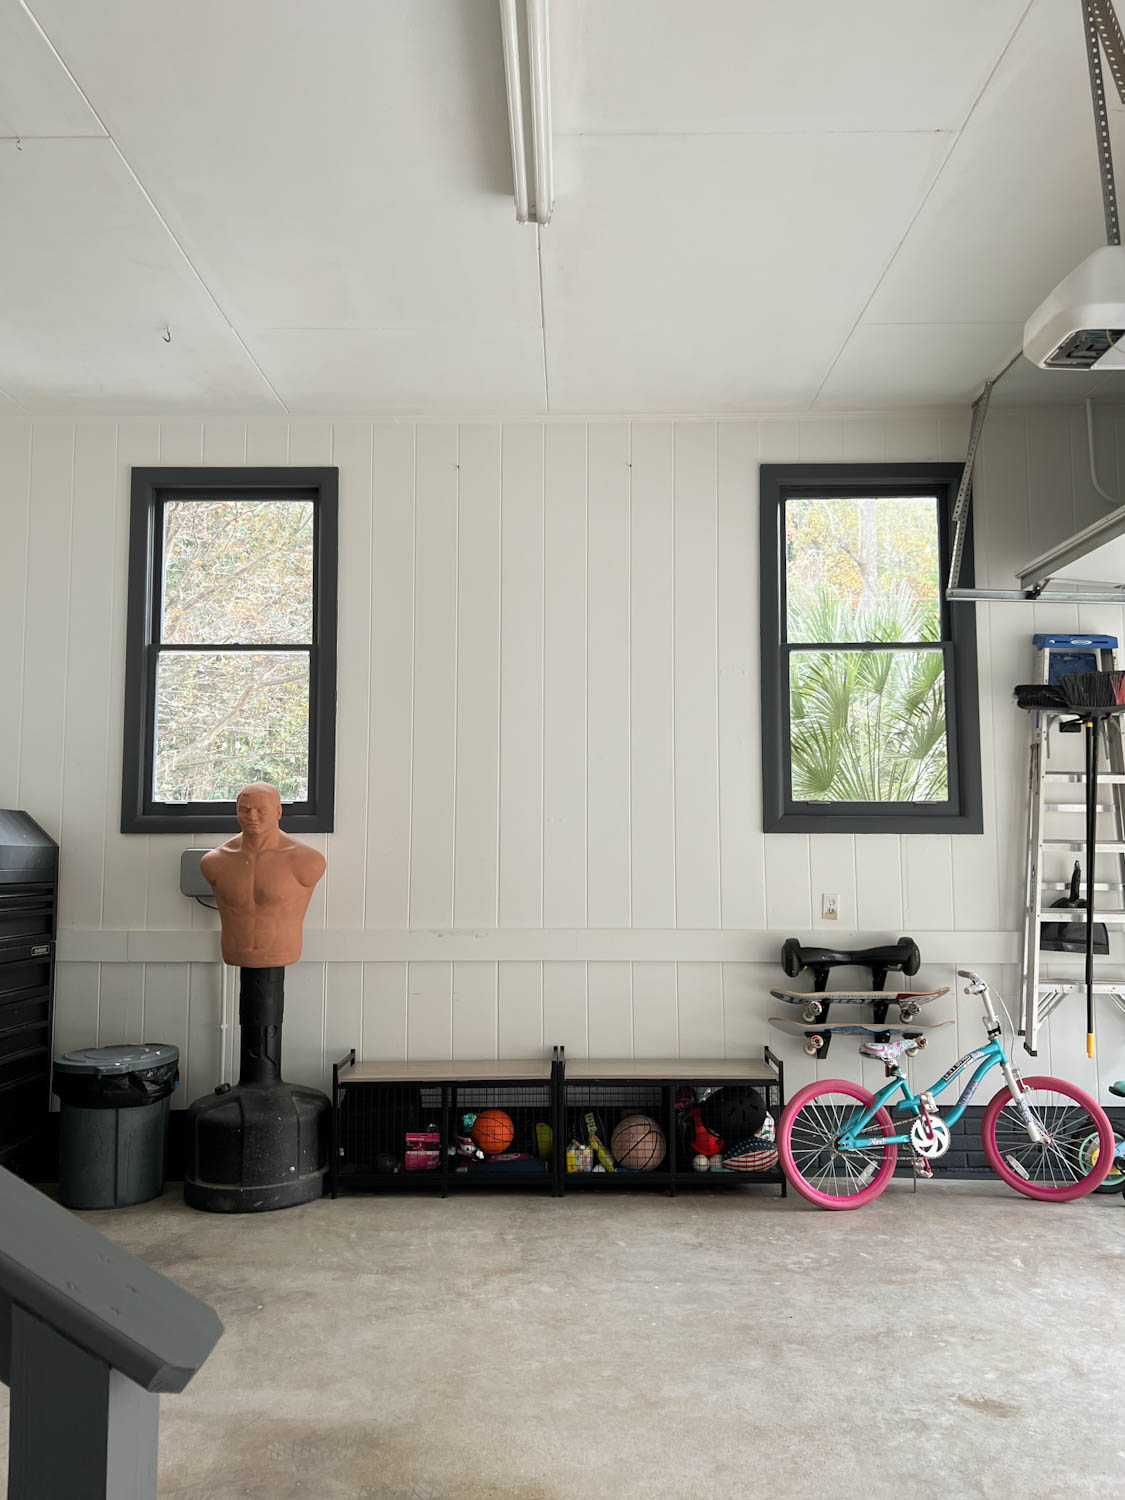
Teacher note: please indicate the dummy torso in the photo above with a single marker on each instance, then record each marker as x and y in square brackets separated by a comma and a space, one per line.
[263, 881]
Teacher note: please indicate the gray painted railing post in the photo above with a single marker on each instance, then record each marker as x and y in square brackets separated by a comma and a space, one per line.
[77, 1427]
[89, 1338]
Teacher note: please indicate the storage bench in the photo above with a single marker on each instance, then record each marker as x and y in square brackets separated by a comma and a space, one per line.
[617, 1097]
[440, 1125]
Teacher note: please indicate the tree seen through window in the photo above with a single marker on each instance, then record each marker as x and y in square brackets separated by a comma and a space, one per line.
[237, 574]
[866, 726]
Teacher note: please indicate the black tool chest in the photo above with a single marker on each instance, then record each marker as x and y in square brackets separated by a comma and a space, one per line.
[29, 865]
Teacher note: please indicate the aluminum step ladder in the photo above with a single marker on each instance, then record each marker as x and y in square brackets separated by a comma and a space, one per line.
[1054, 797]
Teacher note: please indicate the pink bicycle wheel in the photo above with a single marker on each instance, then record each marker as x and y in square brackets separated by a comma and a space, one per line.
[817, 1168]
[1057, 1169]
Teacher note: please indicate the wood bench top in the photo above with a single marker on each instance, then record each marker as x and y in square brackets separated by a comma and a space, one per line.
[578, 1069]
[442, 1070]
[670, 1069]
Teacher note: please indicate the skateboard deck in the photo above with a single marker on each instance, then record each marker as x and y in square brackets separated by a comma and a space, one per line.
[818, 1034]
[816, 1002]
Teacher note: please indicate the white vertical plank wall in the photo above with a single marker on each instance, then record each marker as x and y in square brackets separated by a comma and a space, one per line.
[435, 679]
[608, 739]
[521, 676]
[564, 677]
[390, 774]
[548, 771]
[476, 844]
[652, 662]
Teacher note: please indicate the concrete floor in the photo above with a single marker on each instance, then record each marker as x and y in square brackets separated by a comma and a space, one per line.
[504, 1347]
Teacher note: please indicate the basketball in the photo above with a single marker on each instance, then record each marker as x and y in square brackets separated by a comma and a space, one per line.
[638, 1144]
[493, 1131]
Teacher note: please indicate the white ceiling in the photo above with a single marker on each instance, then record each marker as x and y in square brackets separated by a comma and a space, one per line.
[759, 206]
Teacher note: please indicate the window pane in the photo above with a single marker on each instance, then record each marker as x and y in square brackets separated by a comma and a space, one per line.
[237, 571]
[862, 570]
[868, 726]
[224, 718]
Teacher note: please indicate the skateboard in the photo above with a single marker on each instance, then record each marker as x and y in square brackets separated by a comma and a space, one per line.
[817, 1037]
[816, 1003]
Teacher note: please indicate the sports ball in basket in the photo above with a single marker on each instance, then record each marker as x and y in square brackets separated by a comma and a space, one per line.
[638, 1144]
[756, 1154]
[735, 1114]
[493, 1131]
[700, 1163]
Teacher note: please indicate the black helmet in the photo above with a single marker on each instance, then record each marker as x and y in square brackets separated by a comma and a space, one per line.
[735, 1114]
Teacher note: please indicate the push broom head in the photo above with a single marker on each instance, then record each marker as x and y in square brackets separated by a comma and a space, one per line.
[1077, 692]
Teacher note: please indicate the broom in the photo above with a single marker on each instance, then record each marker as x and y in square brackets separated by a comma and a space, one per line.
[1075, 693]
[1092, 696]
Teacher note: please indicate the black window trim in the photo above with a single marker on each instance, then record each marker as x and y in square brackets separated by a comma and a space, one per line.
[780, 813]
[150, 488]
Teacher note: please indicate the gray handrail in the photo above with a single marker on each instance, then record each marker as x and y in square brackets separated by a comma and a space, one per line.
[89, 1338]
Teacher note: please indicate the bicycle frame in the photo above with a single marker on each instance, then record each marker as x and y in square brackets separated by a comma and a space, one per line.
[988, 1056]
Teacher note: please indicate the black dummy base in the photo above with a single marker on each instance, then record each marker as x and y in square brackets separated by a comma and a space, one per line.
[263, 1143]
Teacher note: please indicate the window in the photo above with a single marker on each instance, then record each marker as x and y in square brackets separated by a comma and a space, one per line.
[869, 683]
[231, 651]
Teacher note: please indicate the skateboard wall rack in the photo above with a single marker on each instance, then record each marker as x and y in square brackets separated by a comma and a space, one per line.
[900, 957]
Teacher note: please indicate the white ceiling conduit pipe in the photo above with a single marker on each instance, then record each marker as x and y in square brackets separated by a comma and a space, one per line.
[527, 50]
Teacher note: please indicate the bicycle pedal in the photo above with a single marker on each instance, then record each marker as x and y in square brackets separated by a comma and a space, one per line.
[921, 1166]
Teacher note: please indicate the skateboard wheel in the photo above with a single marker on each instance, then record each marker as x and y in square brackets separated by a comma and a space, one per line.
[811, 1013]
[813, 1044]
[912, 1051]
[907, 1012]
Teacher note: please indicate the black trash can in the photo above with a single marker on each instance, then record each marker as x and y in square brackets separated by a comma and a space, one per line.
[113, 1122]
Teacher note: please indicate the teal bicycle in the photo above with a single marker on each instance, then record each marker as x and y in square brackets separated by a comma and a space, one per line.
[839, 1142]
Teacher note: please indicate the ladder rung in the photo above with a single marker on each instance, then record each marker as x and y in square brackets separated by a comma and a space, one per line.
[1058, 914]
[1067, 985]
[1064, 885]
[1112, 846]
[1062, 713]
[1073, 807]
[1111, 778]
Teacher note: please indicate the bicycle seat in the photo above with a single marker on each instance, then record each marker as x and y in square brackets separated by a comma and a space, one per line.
[903, 955]
[1118, 1087]
[885, 1052]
